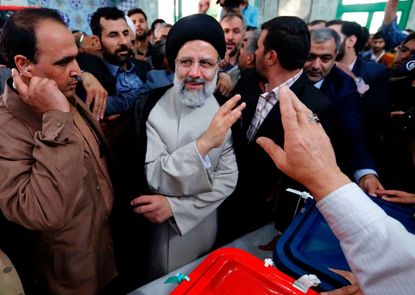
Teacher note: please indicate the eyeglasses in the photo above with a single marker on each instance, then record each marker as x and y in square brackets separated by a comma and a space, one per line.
[204, 63]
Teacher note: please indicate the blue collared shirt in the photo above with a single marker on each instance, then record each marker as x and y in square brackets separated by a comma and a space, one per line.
[251, 16]
[128, 86]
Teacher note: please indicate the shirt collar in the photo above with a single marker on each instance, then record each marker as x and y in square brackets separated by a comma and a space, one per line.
[287, 83]
[114, 69]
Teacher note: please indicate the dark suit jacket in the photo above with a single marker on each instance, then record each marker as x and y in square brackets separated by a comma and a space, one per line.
[349, 142]
[259, 178]
[375, 102]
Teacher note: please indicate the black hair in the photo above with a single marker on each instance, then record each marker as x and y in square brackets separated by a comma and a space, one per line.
[158, 54]
[354, 29]
[155, 23]
[109, 13]
[135, 11]
[378, 35]
[19, 37]
[290, 38]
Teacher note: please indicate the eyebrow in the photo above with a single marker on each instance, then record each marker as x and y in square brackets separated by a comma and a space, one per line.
[64, 60]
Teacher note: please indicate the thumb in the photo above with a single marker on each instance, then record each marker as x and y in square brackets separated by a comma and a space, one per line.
[18, 83]
[276, 153]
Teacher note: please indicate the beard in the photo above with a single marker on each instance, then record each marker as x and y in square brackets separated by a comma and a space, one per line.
[114, 58]
[142, 37]
[194, 98]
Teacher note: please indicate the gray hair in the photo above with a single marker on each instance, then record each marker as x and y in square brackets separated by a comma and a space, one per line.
[252, 43]
[325, 34]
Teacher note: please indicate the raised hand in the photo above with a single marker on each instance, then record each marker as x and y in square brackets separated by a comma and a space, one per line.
[95, 93]
[308, 156]
[225, 117]
[42, 94]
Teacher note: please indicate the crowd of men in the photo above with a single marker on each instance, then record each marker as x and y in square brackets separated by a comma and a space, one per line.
[133, 151]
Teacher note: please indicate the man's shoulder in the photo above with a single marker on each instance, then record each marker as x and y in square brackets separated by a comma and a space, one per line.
[5, 114]
[339, 79]
[370, 71]
[312, 97]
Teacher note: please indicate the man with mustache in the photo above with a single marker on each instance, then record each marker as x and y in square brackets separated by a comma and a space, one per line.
[372, 83]
[234, 29]
[352, 153]
[121, 75]
[187, 148]
[54, 175]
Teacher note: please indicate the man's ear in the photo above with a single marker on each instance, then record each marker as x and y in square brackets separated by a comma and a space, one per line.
[251, 59]
[271, 57]
[351, 41]
[97, 42]
[23, 65]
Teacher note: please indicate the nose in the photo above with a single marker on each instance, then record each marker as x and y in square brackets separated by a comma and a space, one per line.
[124, 40]
[316, 64]
[75, 71]
[195, 70]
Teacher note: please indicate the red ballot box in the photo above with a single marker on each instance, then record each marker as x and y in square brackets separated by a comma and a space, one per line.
[234, 271]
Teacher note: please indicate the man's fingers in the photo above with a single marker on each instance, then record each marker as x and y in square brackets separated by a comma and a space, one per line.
[144, 209]
[19, 85]
[144, 199]
[89, 98]
[229, 105]
[276, 153]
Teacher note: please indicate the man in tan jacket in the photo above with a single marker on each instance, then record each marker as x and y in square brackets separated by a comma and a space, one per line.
[53, 175]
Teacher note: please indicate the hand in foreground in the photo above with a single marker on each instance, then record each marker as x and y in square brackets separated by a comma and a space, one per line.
[42, 94]
[396, 196]
[96, 93]
[155, 208]
[224, 118]
[224, 85]
[308, 156]
[352, 289]
[370, 184]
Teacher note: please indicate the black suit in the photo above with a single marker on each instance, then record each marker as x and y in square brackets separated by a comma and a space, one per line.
[259, 179]
[349, 143]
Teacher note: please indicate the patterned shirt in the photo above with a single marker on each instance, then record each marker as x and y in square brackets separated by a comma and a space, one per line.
[265, 103]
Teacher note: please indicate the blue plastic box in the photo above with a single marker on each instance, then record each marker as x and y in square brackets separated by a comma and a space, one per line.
[308, 246]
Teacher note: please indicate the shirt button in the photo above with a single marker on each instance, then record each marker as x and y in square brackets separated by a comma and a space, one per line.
[98, 187]
[59, 124]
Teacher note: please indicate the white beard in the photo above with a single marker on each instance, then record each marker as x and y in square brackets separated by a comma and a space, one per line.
[194, 98]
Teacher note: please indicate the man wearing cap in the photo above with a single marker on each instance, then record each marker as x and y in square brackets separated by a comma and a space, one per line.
[187, 148]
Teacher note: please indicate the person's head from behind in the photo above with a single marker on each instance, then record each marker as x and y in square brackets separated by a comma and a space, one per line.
[406, 51]
[37, 43]
[109, 25]
[139, 18]
[284, 42]
[161, 31]
[158, 55]
[194, 47]
[351, 35]
[325, 44]
[316, 24]
[246, 58]
[86, 43]
[204, 6]
[234, 28]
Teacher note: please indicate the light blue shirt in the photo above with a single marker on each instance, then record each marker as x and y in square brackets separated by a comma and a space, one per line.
[127, 87]
[251, 16]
